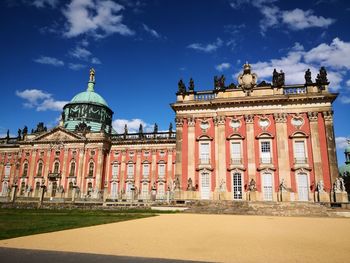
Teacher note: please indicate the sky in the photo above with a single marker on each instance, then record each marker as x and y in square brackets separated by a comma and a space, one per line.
[140, 50]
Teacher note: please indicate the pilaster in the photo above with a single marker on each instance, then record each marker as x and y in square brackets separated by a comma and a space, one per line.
[122, 170]
[99, 169]
[179, 140]
[153, 165]
[138, 169]
[249, 119]
[220, 152]
[191, 148]
[32, 168]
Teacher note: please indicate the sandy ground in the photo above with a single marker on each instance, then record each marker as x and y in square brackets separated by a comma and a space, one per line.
[217, 238]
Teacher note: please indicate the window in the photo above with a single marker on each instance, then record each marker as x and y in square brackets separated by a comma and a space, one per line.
[25, 170]
[56, 167]
[236, 153]
[91, 169]
[237, 186]
[72, 169]
[299, 152]
[265, 152]
[7, 170]
[204, 153]
[115, 170]
[145, 170]
[40, 169]
[161, 170]
[130, 171]
[161, 189]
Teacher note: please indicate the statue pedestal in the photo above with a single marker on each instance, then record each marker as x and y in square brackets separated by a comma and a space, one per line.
[322, 197]
[253, 196]
[283, 196]
[74, 192]
[341, 197]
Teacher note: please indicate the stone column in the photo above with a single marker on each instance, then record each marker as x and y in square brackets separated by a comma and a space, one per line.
[99, 169]
[191, 122]
[178, 165]
[220, 153]
[331, 150]
[315, 141]
[282, 149]
[249, 119]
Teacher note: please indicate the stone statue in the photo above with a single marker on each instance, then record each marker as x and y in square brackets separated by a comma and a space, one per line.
[342, 185]
[277, 78]
[8, 134]
[25, 131]
[189, 184]
[247, 80]
[336, 186]
[82, 127]
[155, 130]
[320, 186]
[252, 185]
[219, 83]
[125, 129]
[141, 129]
[222, 185]
[92, 75]
[282, 186]
[322, 77]
[191, 85]
[181, 87]
[274, 77]
[170, 127]
[177, 183]
[308, 80]
[19, 133]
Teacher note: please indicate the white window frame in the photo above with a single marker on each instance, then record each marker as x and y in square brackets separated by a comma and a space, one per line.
[265, 159]
[130, 170]
[236, 157]
[145, 172]
[115, 170]
[237, 195]
[204, 157]
[161, 170]
[300, 159]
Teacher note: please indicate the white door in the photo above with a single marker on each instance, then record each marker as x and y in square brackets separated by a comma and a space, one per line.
[128, 191]
[303, 188]
[114, 189]
[205, 185]
[267, 187]
[145, 191]
[4, 189]
[237, 186]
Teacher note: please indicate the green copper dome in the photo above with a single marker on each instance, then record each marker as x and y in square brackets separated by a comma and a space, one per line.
[88, 110]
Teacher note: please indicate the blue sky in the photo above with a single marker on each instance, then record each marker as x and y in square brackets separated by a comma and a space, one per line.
[140, 49]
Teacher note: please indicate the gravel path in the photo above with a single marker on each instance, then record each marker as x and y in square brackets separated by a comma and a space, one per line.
[216, 238]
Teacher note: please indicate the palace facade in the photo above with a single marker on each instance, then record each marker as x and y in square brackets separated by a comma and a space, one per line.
[250, 141]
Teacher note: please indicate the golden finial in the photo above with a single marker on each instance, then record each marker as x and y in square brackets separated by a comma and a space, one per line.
[92, 75]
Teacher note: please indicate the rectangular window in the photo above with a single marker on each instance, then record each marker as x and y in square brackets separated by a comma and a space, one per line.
[145, 170]
[236, 157]
[115, 170]
[161, 170]
[265, 152]
[299, 152]
[130, 171]
[7, 170]
[204, 153]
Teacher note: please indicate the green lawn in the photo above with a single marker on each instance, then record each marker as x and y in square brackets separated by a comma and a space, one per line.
[23, 222]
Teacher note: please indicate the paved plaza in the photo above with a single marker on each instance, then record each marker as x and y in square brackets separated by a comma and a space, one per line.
[215, 238]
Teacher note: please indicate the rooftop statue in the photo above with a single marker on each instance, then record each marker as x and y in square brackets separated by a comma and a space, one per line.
[219, 82]
[191, 85]
[171, 127]
[181, 86]
[321, 78]
[308, 80]
[155, 128]
[92, 75]
[247, 80]
[277, 78]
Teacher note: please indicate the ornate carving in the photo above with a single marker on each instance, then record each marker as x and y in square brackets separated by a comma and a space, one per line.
[313, 116]
[307, 76]
[219, 120]
[277, 78]
[320, 186]
[191, 121]
[247, 80]
[82, 127]
[328, 115]
[252, 185]
[321, 78]
[179, 122]
[280, 117]
[40, 128]
[249, 118]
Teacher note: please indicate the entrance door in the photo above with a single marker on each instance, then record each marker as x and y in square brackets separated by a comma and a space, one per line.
[114, 190]
[128, 191]
[237, 186]
[205, 185]
[267, 187]
[54, 189]
[303, 188]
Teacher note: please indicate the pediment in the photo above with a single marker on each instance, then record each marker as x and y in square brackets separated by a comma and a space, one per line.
[59, 134]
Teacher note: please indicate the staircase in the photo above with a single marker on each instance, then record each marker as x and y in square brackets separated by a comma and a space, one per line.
[260, 208]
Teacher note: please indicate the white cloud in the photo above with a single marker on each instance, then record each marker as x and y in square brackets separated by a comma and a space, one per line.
[348, 83]
[151, 31]
[271, 16]
[80, 53]
[40, 100]
[206, 48]
[44, 3]
[98, 18]
[341, 142]
[344, 99]
[222, 66]
[75, 66]
[300, 19]
[133, 125]
[297, 61]
[49, 61]
[96, 61]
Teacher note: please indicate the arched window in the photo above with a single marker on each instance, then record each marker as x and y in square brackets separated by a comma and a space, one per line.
[56, 167]
[25, 170]
[40, 169]
[91, 169]
[72, 169]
